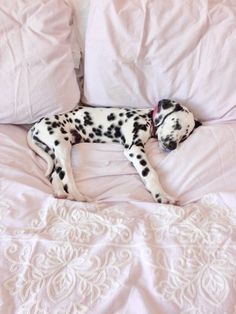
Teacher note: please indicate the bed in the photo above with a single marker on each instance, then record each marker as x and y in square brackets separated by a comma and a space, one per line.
[121, 252]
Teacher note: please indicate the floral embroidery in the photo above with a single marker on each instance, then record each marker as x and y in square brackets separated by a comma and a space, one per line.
[68, 221]
[206, 266]
[62, 271]
[72, 256]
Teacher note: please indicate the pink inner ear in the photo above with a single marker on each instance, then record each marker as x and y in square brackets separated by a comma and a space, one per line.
[155, 110]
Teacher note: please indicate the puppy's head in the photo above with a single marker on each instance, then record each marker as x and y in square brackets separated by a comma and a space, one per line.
[174, 123]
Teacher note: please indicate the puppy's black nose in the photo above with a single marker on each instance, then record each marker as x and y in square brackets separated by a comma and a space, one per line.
[172, 145]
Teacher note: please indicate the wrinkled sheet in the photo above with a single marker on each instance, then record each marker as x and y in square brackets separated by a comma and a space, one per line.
[121, 251]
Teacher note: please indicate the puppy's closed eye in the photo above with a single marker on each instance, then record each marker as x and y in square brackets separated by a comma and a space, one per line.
[183, 138]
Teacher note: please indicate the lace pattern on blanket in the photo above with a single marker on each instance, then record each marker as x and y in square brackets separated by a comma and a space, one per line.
[70, 257]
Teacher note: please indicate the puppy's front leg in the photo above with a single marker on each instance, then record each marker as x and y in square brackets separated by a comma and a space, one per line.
[137, 156]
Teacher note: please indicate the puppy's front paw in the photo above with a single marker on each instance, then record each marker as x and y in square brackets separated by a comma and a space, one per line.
[164, 198]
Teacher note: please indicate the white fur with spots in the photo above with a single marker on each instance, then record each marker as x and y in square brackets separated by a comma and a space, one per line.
[52, 138]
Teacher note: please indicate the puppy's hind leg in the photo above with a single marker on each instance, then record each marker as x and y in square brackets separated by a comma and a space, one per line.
[57, 185]
[64, 171]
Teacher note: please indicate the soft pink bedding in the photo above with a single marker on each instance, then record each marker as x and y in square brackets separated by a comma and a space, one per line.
[121, 251]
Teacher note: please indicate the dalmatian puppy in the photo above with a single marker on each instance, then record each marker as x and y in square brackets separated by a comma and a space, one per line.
[52, 138]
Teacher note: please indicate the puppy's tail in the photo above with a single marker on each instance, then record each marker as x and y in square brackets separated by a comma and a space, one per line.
[42, 150]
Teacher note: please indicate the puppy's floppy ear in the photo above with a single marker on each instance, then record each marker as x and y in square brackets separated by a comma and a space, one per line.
[164, 107]
[178, 107]
[197, 123]
[165, 104]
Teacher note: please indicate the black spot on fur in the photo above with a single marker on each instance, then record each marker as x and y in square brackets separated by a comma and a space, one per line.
[55, 124]
[143, 162]
[65, 187]
[76, 136]
[53, 156]
[88, 120]
[177, 126]
[145, 172]
[178, 108]
[108, 134]
[61, 175]
[117, 132]
[138, 143]
[111, 117]
[97, 131]
[111, 127]
[58, 169]
[63, 131]
[56, 142]
[129, 114]
[143, 127]
[165, 104]
[123, 139]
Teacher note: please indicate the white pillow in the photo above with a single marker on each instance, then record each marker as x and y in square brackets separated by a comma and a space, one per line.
[138, 52]
[80, 16]
[36, 66]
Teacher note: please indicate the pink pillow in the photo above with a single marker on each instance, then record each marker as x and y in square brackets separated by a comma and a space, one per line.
[36, 67]
[138, 52]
